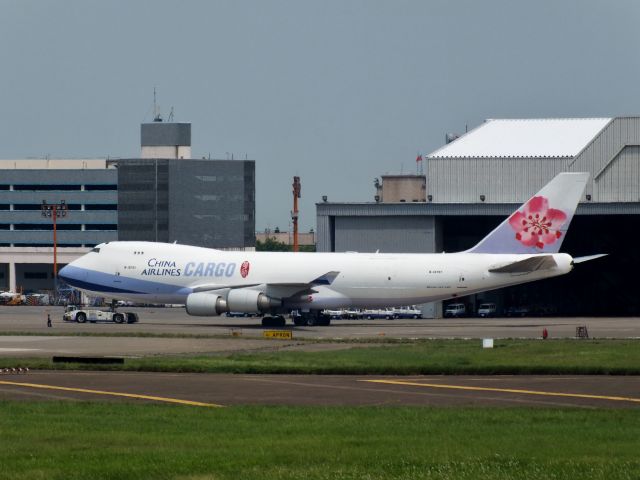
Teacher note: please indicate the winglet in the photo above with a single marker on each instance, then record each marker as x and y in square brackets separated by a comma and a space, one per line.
[539, 225]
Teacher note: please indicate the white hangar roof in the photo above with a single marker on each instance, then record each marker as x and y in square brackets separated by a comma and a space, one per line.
[552, 137]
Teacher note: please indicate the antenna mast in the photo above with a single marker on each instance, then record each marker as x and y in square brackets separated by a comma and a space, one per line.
[156, 111]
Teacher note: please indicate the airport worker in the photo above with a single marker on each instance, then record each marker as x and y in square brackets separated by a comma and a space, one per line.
[49, 320]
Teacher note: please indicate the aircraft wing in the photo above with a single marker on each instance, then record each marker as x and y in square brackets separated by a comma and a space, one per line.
[531, 264]
[275, 289]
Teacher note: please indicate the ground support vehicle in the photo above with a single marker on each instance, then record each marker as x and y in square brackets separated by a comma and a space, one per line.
[455, 310]
[487, 310]
[78, 314]
[334, 314]
[407, 312]
[309, 319]
[387, 313]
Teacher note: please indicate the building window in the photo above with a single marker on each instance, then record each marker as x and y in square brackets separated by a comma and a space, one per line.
[101, 207]
[100, 187]
[35, 275]
[101, 226]
[41, 188]
[33, 226]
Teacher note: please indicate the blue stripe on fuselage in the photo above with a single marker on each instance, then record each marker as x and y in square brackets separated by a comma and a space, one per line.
[105, 282]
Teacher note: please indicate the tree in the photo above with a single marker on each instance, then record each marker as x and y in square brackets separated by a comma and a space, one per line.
[273, 245]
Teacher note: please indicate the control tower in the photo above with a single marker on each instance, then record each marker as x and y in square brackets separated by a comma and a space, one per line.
[165, 140]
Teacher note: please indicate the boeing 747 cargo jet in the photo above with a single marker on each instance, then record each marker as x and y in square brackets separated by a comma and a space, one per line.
[523, 248]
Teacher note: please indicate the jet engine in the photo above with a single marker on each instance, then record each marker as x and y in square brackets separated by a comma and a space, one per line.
[245, 300]
[205, 304]
[212, 304]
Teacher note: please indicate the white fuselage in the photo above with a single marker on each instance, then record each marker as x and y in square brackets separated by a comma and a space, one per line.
[168, 273]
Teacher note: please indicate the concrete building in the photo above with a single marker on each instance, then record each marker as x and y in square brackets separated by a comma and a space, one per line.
[162, 196]
[401, 188]
[165, 140]
[477, 180]
[307, 239]
[89, 189]
[167, 197]
[208, 203]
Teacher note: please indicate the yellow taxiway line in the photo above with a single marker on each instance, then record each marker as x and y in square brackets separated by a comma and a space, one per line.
[506, 390]
[113, 394]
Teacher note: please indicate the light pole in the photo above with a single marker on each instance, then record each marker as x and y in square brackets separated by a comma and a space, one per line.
[53, 211]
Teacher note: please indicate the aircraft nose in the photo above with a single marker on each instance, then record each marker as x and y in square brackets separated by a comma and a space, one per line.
[65, 273]
[71, 274]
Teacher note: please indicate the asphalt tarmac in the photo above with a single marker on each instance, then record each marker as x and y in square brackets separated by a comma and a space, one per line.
[175, 320]
[223, 334]
[213, 390]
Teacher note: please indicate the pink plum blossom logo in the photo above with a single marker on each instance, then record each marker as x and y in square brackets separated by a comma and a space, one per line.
[537, 224]
[244, 269]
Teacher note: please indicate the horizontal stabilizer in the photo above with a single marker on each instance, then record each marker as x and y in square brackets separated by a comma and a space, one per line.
[589, 257]
[531, 264]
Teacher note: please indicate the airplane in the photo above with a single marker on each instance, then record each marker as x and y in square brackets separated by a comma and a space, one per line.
[210, 282]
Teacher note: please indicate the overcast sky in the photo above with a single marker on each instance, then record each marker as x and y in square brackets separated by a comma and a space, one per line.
[337, 92]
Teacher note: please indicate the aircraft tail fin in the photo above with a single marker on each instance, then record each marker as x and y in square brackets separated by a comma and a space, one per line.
[539, 225]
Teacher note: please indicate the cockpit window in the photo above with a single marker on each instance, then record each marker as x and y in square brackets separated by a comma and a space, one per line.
[96, 249]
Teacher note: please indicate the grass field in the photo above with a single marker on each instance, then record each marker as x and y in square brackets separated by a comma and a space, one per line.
[121, 441]
[619, 357]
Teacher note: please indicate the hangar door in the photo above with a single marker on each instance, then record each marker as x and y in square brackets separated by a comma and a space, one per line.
[410, 234]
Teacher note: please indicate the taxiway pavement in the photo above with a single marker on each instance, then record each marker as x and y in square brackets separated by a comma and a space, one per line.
[223, 334]
[222, 390]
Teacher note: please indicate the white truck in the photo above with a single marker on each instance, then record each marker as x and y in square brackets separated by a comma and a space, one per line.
[74, 313]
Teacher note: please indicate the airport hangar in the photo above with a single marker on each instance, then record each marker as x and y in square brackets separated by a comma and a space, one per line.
[474, 182]
[164, 195]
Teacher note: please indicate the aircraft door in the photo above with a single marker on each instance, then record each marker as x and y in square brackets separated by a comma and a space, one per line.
[462, 283]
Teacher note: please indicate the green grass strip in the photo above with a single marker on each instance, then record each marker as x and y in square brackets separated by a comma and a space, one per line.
[127, 441]
[609, 357]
